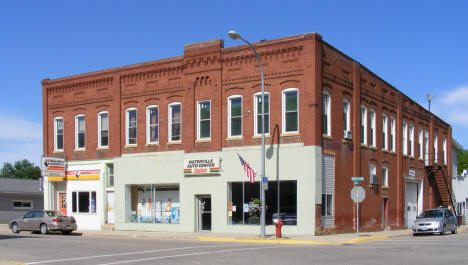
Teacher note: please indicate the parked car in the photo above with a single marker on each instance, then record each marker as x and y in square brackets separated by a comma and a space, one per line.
[439, 220]
[43, 221]
[286, 218]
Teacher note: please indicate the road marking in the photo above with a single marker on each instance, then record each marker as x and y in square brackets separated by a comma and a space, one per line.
[191, 254]
[10, 261]
[129, 253]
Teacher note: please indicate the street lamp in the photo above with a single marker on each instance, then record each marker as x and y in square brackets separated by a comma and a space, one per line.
[429, 99]
[236, 36]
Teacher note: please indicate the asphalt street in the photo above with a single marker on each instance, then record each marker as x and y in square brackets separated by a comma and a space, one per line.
[27, 248]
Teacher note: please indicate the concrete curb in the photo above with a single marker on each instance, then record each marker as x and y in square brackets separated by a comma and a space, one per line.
[9, 262]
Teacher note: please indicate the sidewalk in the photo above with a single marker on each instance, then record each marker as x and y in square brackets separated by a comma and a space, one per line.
[247, 238]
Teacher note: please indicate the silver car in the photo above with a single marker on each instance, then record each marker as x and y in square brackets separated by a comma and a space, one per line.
[439, 220]
[43, 221]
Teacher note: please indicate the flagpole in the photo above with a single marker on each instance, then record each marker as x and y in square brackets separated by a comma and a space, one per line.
[234, 35]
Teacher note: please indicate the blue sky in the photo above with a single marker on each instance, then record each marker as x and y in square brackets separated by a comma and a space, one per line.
[419, 47]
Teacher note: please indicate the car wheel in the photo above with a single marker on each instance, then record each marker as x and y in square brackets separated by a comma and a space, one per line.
[455, 229]
[66, 232]
[15, 228]
[44, 229]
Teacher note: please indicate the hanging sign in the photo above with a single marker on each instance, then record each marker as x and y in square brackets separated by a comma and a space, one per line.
[53, 167]
[202, 166]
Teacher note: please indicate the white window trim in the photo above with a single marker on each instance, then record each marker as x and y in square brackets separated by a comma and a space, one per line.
[426, 147]
[346, 110]
[148, 123]
[170, 122]
[385, 130]
[411, 138]
[445, 149]
[405, 138]
[421, 143]
[373, 127]
[364, 121]
[392, 133]
[76, 131]
[436, 148]
[256, 110]
[372, 171]
[99, 129]
[229, 116]
[328, 109]
[22, 208]
[385, 178]
[127, 126]
[55, 134]
[198, 120]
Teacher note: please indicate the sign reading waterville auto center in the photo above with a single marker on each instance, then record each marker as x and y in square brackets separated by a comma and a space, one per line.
[53, 167]
[202, 166]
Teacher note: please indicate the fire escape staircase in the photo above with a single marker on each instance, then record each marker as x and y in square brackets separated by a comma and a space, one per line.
[441, 184]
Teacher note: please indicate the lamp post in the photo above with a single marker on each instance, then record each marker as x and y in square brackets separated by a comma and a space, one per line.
[236, 36]
[429, 99]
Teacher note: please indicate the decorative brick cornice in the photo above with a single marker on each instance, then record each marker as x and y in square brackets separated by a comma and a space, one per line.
[266, 76]
[78, 86]
[90, 100]
[153, 92]
[152, 74]
[264, 55]
[340, 81]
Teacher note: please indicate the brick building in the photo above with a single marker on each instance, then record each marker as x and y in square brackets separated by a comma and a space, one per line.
[156, 145]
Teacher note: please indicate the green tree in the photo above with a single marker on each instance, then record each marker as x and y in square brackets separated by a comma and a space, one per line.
[20, 169]
[462, 162]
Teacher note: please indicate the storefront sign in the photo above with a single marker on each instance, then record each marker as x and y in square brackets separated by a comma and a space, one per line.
[204, 166]
[83, 174]
[53, 168]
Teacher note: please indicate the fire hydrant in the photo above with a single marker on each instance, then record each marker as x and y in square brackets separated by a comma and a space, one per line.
[278, 225]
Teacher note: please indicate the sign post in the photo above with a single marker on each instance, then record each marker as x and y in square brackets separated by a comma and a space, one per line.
[358, 194]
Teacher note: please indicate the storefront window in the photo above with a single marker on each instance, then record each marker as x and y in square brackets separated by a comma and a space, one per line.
[84, 201]
[153, 203]
[241, 194]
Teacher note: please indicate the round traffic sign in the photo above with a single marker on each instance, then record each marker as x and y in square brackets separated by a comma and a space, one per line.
[358, 194]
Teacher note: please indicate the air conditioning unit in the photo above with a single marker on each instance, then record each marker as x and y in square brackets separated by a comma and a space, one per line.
[347, 134]
[374, 180]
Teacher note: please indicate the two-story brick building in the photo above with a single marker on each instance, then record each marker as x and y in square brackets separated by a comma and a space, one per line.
[156, 145]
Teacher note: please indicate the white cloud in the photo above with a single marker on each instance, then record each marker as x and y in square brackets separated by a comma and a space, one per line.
[14, 128]
[452, 106]
[457, 96]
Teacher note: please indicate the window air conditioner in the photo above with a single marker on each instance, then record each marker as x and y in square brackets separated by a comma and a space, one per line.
[374, 180]
[347, 134]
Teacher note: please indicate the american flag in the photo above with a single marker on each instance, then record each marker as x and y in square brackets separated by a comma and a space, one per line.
[250, 172]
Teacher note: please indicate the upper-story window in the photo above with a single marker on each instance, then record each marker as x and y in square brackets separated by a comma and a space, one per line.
[436, 149]
[363, 123]
[131, 126]
[103, 129]
[405, 138]
[152, 124]
[384, 132]
[346, 117]
[235, 116]
[204, 120]
[175, 122]
[326, 114]
[58, 134]
[384, 176]
[392, 134]
[421, 143]
[426, 147]
[372, 174]
[290, 110]
[444, 146]
[80, 132]
[258, 113]
[372, 133]
[411, 140]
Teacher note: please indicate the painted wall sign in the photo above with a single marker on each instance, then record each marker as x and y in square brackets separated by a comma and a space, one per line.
[83, 174]
[202, 166]
[53, 168]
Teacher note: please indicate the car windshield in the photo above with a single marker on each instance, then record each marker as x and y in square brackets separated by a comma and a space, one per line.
[431, 214]
[54, 213]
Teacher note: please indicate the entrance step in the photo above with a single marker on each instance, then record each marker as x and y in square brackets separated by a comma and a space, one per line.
[108, 227]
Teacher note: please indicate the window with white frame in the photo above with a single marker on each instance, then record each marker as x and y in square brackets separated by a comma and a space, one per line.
[411, 140]
[152, 124]
[175, 122]
[258, 113]
[103, 129]
[80, 131]
[131, 126]
[58, 134]
[326, 113]
[392, 134]
[405, 138]
[384, 132]
[436, 149]
[363, 123]
[204, 120]
[372, 132]
[346, 116]
[421, 143]
[372, 174]
[384, 176]
[426, 147]
[235, 116]
[20, 205]
[445, 149]
[290, 110]
[84, 201]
